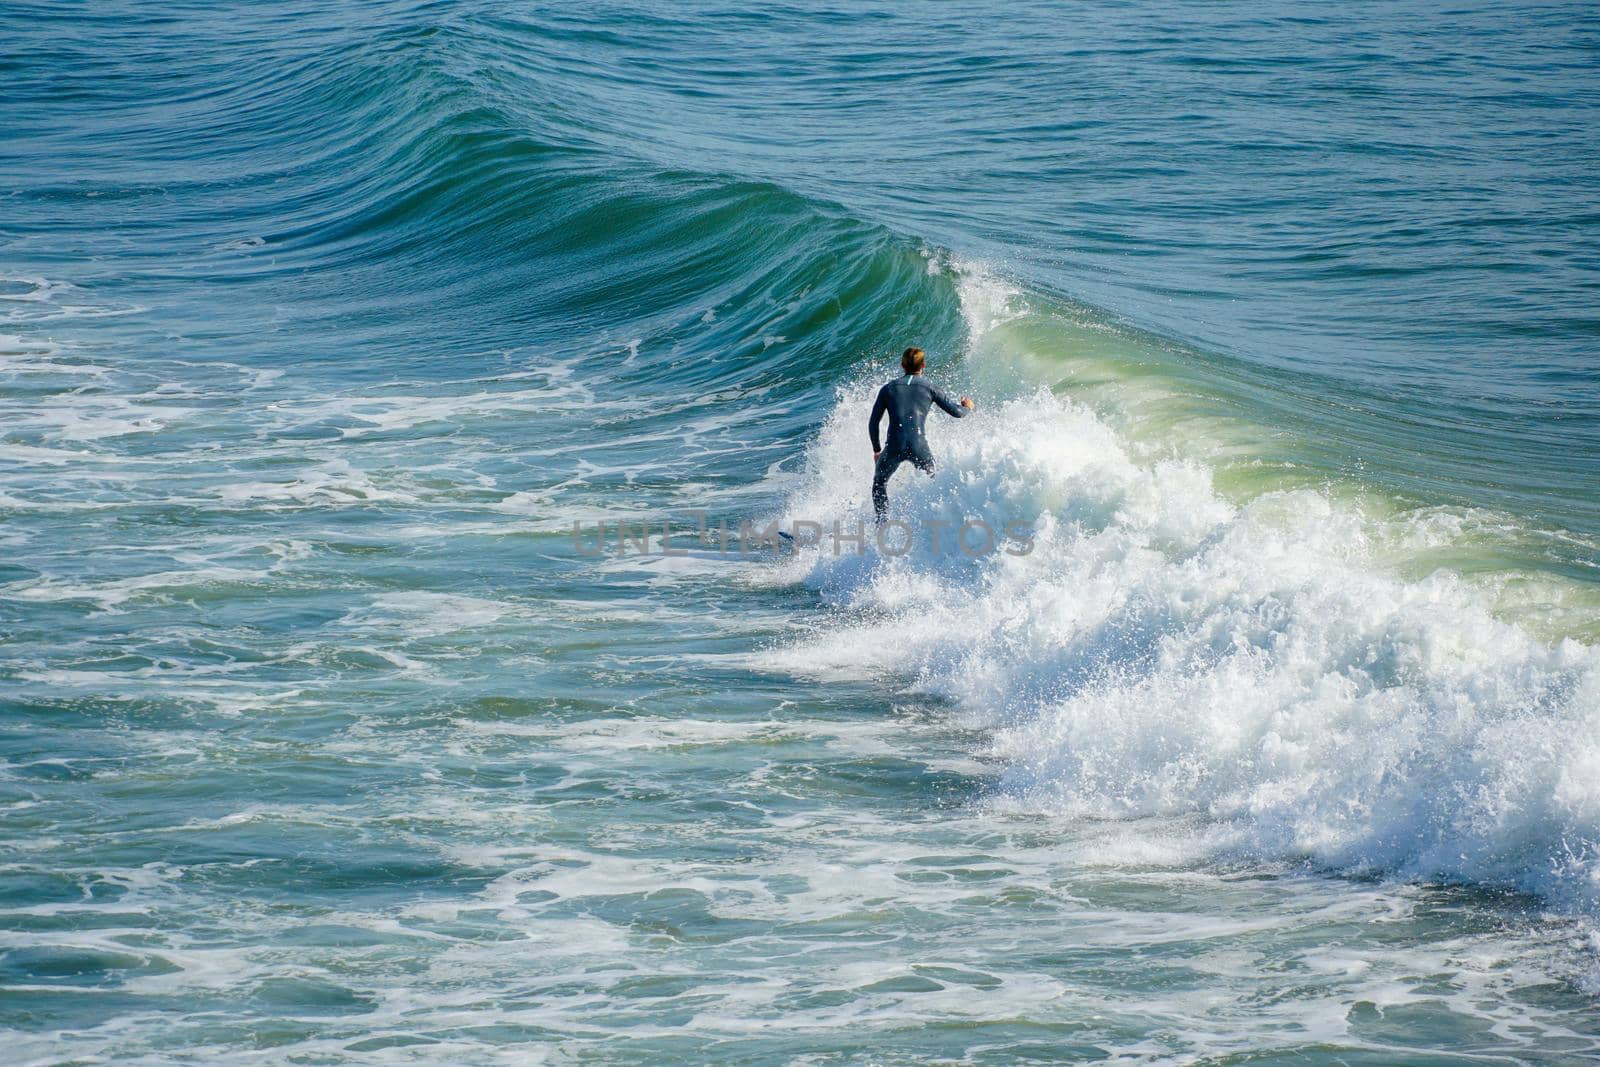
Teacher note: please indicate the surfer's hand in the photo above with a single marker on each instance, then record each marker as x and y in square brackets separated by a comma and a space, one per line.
[966, 402]
[875, 456]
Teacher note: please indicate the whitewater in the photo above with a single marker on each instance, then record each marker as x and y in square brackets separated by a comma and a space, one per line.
[1164, 651]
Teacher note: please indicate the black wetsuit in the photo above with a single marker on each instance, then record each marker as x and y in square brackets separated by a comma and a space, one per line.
[906, 401]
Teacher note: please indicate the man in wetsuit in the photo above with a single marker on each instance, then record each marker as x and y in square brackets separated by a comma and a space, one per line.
[906, 401]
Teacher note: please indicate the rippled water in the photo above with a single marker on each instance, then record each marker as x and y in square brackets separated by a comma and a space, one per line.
[323, 740]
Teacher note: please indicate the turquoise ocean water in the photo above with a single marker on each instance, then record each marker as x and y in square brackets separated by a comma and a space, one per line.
[323, 741]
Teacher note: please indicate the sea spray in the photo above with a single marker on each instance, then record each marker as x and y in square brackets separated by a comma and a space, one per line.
[1168, 652]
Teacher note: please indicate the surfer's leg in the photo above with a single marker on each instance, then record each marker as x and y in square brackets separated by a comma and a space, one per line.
[922, 458]
[880, 485]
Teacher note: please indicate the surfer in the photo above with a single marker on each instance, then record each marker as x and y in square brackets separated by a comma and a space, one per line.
[906, 401]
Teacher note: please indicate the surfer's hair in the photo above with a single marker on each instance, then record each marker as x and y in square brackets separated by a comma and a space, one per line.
[912, 359]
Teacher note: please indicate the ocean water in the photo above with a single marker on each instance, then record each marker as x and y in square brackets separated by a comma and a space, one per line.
[324, 740]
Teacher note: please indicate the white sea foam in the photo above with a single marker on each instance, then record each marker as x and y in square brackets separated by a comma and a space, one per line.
[112, 594]
[32, 299]
[392, 413]
[90, 418]
[420, 613]
[334, 483]
[1164, 652]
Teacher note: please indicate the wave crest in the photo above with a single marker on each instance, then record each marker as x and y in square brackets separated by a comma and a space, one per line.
[1264, 664]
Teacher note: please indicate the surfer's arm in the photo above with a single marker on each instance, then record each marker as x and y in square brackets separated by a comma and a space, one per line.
[879, 406]
[957, 410]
